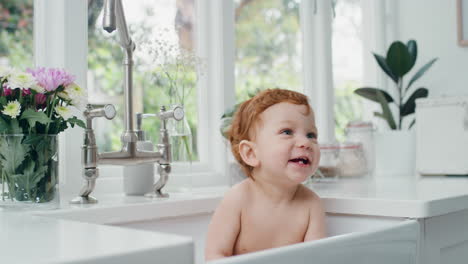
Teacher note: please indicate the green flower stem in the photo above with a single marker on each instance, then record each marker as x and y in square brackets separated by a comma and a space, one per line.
[11, 189]
[187, 147]
[3, 186]
[20, 97]
[1, 87]
[400, 87]
[53, 103]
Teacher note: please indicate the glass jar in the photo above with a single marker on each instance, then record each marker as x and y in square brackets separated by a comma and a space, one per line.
[328, 165]
[352, 161]
[363, 132]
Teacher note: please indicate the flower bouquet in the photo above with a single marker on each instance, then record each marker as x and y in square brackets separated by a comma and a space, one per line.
[35, 106]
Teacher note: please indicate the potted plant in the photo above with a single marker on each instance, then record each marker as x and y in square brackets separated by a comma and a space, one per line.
[392, 158]
[35, 106]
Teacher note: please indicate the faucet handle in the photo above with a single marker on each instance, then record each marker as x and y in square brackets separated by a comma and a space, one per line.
[176, 112]
[108, 111]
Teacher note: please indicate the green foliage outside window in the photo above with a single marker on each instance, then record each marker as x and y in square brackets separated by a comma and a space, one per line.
[267, 43]
[105, 61]
[16, 32]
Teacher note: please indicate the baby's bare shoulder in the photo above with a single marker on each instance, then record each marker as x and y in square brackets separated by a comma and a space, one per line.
[238, 193]
[307, 197]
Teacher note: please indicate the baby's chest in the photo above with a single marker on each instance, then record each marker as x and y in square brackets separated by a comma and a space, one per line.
[262, 229]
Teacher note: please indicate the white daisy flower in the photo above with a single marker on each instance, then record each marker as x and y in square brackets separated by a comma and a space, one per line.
[12, 109]
[5, 72]
[39, 89]
[64, 112]
[75, 91]
[76, 94]
[64, 95]
[20, 79]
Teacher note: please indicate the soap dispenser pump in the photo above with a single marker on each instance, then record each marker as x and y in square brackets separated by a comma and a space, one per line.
[139, 179]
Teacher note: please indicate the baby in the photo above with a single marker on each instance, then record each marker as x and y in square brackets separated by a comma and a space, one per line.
[274, 138]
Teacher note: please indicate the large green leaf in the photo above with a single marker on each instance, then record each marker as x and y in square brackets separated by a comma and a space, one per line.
[378, 114]
[421, 71]
[33, 139]
[413, 51]
[34, 172]
[31, 176]
[4, 126]
[75, 121]
[3, 101]
[383, 64]
[12, 153]
[410, 105]
[371, 94]
[32, 117]
[230, 111]
[225, 126]
[387, 114]
[398, 59]
[15, 127]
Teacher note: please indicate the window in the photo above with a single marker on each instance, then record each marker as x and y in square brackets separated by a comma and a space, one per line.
[164, 70]
[16, 33]
[217, 27]
[268, 46]
[347, 50]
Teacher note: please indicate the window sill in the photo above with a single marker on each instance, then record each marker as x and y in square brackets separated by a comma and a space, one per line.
[119, 209]
[110, 180]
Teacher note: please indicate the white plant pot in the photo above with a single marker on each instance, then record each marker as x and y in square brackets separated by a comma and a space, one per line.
[395, 153]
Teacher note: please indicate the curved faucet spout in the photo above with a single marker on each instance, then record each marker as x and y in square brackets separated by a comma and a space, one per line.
[108, 18]
[114, 18]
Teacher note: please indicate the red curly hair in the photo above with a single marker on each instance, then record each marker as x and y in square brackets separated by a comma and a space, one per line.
[247, 116]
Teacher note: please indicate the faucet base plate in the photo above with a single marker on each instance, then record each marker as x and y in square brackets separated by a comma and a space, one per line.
[157, 194]
[83, 200]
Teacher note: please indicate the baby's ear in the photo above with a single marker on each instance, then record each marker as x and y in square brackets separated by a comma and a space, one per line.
[247, 153]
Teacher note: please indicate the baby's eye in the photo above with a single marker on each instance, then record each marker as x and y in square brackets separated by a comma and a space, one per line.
[287, 131]
[311, 135]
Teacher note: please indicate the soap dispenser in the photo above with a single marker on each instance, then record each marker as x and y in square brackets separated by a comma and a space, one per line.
[139, 179]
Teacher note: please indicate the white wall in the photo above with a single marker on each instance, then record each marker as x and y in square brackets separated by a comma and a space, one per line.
[433, 24]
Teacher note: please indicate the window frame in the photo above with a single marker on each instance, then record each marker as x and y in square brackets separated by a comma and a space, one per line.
[60, 40]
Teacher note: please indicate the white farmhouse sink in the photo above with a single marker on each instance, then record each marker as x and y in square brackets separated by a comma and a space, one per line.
[352, 239]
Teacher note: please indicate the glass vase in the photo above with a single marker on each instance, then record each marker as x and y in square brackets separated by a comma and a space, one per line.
[28, 171]
[182, 155]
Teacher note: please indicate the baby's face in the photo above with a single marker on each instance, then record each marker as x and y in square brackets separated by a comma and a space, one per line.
[286, 142]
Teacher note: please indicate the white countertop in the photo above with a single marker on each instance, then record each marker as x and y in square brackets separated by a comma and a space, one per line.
[393, 197]
[397, 196]
[76, 234]
[33, 239]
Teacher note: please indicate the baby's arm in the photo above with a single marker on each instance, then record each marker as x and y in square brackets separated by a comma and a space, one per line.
[224, 227]
[316, 228]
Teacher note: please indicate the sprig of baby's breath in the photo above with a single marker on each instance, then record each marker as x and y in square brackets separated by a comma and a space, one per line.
[172, 62]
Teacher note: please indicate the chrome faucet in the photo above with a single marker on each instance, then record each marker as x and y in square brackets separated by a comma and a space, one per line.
[114, 18]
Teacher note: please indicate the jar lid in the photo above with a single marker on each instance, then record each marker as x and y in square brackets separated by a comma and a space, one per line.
[359, 124]
[351, 145]
[329, 145]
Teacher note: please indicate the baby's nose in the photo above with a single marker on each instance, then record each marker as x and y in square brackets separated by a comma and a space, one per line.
[304, 142]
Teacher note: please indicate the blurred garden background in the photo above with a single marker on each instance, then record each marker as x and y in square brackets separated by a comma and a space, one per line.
[268, 54]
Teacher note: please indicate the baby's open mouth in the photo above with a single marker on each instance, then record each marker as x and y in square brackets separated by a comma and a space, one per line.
[300, 160]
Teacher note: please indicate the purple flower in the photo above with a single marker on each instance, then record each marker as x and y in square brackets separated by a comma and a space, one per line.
[50, 79]
[6, 91]
[26, 92]
[40, 99]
